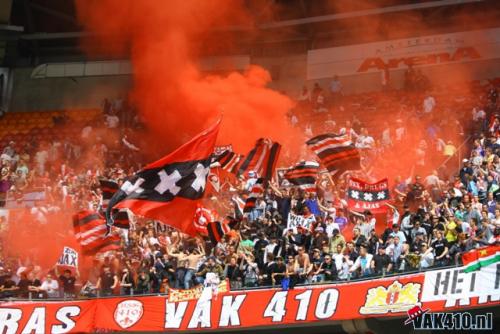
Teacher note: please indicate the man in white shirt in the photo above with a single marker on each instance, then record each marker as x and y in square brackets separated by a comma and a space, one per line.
[426, 258]
[50, 286]
[348, 130]
[112, 121]
[429, 104]
[364, 140]
[269, 249]
[400, 130]
[331, 226]
[363, 262]
[432, 180]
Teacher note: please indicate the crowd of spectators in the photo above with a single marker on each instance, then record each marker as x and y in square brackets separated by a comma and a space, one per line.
[430, 222]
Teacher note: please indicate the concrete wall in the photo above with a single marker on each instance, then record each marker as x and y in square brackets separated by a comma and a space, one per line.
[288, 73]
[59, 93]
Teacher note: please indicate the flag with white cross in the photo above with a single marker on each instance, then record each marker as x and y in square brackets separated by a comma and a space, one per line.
[168, 190]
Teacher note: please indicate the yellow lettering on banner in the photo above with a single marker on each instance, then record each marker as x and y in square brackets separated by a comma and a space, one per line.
[177, 295]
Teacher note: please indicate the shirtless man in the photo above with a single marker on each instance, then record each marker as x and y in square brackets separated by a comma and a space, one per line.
[191, 258]
[303, 262]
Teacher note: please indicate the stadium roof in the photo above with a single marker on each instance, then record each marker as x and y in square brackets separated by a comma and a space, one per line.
[47, 29]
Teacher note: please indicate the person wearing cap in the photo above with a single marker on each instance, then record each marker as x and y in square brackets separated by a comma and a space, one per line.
[465, 170]
[250, 182]
[211, 266]
[328, 269]
[319, 237]
[381, 262]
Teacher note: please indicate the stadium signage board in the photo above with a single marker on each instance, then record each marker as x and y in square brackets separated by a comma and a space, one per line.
[460, 47]
[384, 297]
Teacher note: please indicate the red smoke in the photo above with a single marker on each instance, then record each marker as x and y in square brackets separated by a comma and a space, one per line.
[38, 243]
[165, 42]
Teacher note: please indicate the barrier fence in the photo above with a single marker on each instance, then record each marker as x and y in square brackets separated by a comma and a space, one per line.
[436, 290]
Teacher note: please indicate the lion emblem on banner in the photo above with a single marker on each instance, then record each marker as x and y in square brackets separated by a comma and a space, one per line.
[395, 298]
[128, 313]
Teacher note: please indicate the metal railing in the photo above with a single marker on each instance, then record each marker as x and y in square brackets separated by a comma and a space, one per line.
[350, 279]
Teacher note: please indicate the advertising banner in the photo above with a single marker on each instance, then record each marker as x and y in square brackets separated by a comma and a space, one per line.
[384, 297]
[428, 50]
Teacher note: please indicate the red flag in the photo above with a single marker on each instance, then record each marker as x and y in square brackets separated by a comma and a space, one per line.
[168, 190]
[363, 196]
[90, 232]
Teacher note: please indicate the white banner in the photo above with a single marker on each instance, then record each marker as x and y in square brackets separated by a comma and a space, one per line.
[295, 221]
[453, 285]
[69, 258]
[398, 54]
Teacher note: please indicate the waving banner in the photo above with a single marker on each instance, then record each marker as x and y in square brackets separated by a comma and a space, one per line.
[363, 196]
[439, 291]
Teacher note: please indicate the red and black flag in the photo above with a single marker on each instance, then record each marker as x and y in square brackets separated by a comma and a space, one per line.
[261, 159]
[202, 217]
[304, 175]
[228, 161]
[362, 195]
[168, 190]
[256, 193]
[91, 233]
[108, 188]
[217, 230]
[336, 152]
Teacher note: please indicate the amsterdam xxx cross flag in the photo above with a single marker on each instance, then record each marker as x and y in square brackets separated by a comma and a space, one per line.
[168, 190]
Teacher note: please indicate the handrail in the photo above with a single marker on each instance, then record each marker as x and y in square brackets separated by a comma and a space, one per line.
[457, 152]
[262, 287]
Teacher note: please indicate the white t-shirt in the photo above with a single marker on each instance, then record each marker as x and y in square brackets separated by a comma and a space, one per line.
[400, 132]
[112, 121]
[330, 228]
[41, 157]
[429, 103]
[51, 288]
[432, 180]
[365, 142]
[86, 132]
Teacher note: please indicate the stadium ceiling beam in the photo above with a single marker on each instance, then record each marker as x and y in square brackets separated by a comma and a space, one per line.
[367, 12]
[53, 12]
[11, 28]
[286, 23]
[55, 35]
